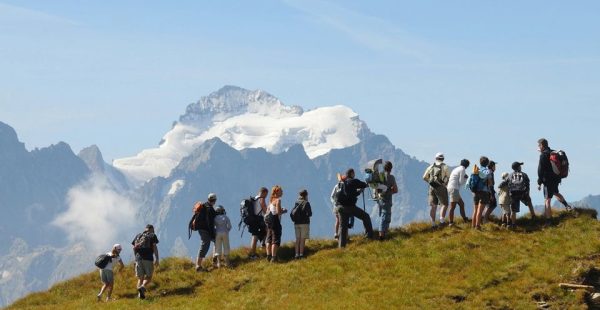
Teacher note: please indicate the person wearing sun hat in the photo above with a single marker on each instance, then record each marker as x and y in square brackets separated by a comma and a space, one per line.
[437, 176]
[106, 273]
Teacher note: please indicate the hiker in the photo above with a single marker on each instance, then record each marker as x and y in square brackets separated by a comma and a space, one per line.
[493, 202]
[258, 230]
[222, 228]
[481, 191]
[300, 215]
[458, 179]
[273, 223]
[334, 192]
[519, 188]
[106, 273]
[549, 179]
[437, 176]
[146, 258]
[206, 228]
[505, 201]
[385, 208]
[346, 206]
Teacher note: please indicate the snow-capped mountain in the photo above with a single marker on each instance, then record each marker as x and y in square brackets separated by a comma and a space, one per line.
[247, 119]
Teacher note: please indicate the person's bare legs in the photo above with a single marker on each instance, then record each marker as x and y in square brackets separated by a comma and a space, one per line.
[432, 213]
[451, 215]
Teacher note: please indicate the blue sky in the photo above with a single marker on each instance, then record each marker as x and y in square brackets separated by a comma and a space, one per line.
[463, 77]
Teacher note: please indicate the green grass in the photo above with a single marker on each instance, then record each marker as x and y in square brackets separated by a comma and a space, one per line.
[454, 267]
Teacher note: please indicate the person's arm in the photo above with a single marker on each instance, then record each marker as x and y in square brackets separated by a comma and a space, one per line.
[121, 265]
[263, 205]
[541, 169]
[278, 208]
[426, 174]
[228, 223]
[446, 175]
[309, 209]
[156, 258]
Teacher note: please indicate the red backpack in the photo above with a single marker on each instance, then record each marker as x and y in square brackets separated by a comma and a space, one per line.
[559, 163]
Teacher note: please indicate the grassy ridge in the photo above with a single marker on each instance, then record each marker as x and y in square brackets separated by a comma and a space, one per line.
[455, 267]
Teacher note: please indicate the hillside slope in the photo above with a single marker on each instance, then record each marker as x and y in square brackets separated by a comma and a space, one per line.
[454, 267]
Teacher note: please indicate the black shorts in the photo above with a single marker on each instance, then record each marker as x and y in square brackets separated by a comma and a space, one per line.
[517, 198]
[550, 189]
[481, 197]
[274, 232]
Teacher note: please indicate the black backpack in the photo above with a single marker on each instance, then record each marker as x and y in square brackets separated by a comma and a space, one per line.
[143, 241]
[102, 260]
[247, 216]
[299, 213]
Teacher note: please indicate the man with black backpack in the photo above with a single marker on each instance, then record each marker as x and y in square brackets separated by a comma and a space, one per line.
[518, 188]
[146, 258]
[346, 199]
[256, 225]
[552, 167]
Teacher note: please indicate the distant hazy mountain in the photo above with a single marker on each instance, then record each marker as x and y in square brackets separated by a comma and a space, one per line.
[54, 203]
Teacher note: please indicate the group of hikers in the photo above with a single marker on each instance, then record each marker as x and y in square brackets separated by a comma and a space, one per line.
[262, 216]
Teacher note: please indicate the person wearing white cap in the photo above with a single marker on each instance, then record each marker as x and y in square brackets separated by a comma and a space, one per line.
[206, 229]
[106, 273]
[437, 176]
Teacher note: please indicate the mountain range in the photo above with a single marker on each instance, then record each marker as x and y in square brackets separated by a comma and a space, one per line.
[60, 210]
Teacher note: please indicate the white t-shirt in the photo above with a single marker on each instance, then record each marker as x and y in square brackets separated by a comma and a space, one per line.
[111, 262]
[257, 207]
[457, 178]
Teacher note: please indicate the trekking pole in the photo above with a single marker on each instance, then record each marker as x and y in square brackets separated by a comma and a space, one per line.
[363, 195]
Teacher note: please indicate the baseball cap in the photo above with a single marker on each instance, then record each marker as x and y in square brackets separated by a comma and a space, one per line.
[117, 247]
[516, 165]
[439, 156]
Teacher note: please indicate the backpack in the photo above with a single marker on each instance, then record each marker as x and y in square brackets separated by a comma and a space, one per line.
[559, 163]
[299, 213]
[340, 197]
[435, 175]
[102, 260]
[247, 216]
[517, 183]
[143, 241]
[193, 223]
[474, 180]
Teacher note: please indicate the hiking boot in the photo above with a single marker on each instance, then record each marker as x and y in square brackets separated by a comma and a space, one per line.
[98, 298]
[336, 237]
[142, 292]
[450, 224]
[274, 259]
[434, 226]
[252, 256]
[215, 261]
[269, 257]
[568, 208]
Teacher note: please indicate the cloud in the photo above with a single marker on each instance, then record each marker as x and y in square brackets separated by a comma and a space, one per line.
[369, 31]
[97, 214]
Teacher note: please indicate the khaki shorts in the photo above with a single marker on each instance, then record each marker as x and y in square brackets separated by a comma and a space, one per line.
[438, 196]
[144, 268]
[302, 231]
[107, 276]
[454, 195]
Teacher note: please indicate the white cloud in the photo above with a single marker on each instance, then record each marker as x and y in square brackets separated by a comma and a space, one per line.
[97, 214]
